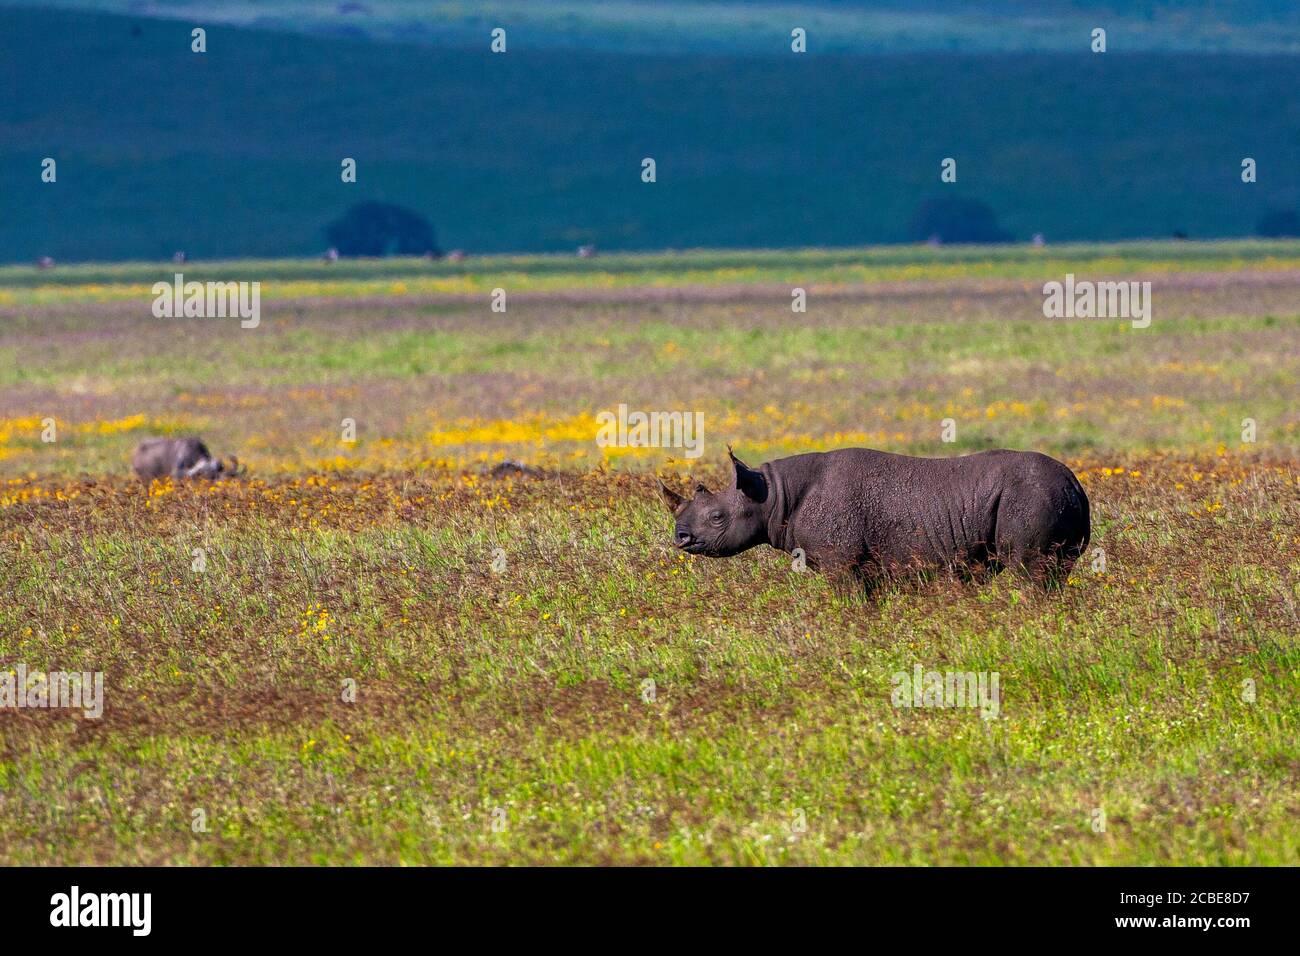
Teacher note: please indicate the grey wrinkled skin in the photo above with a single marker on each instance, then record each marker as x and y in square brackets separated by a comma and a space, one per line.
[866, 516]
[180, 458]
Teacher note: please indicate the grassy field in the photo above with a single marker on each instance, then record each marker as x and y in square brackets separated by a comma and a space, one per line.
[539, 677]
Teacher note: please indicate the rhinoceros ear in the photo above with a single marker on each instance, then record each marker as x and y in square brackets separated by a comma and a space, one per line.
[750, 482]
[672, 499]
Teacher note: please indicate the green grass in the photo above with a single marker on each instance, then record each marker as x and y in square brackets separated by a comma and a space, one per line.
[501, 633]
[697, 267]
[520, 693]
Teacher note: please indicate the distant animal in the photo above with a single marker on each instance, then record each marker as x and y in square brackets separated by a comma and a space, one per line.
[180, 458]
[331, 254]
[586, 252]
[179, 257]
[512, 468]
[867, 516]
[45, 262]
[456, 255]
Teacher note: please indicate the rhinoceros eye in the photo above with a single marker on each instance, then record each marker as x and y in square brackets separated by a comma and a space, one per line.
[716, 517]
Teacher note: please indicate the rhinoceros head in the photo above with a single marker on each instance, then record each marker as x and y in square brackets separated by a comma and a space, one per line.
[720, 524]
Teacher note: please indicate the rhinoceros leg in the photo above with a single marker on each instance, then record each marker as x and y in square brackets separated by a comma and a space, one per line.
[1050, 569]
[1040, 534]
[848, 582]
[1046, 560]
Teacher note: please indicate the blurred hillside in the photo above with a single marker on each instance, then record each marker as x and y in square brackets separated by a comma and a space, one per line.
[236, 152]
[761, 26]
